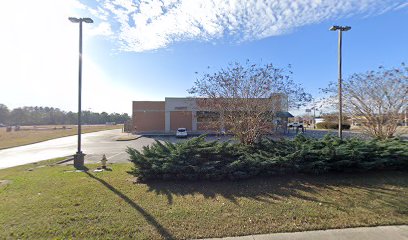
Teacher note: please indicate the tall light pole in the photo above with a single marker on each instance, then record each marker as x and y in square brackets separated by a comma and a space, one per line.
[340, 29]
[314, 115]
[79, 155]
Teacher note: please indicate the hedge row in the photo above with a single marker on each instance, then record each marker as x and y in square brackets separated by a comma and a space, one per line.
[197, 159]
[331, 125]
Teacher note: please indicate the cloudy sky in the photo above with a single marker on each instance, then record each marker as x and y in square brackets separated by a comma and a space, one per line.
[147, 50]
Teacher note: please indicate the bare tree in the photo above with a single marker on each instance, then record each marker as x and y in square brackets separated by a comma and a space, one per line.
[376, 99]
[243, 99]
[334, 117]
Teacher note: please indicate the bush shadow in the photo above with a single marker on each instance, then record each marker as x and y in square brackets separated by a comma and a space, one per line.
[279, 188]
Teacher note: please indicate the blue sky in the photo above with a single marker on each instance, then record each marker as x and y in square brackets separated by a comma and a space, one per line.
[147, 51]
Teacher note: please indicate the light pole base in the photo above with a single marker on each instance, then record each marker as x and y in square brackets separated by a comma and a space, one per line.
[79, 160]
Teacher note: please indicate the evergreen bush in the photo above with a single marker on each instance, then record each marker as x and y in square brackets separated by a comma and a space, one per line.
[198, 159]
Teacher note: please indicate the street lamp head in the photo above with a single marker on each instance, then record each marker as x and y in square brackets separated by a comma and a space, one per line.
[87, 20]
[77, 20]
[74, 20]
[341, 28]
[334, 28]
[346, 28]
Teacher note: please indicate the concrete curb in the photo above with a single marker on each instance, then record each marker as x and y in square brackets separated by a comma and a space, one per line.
[397, 232]
[131, 139]
[189, 134]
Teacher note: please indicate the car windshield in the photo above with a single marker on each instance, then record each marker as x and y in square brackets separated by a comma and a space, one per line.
[181, 130]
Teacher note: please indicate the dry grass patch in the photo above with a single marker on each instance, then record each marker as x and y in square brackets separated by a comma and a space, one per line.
[30, 134]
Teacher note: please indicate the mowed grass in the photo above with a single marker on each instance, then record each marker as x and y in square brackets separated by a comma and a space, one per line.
[24, 137]
[54, 202]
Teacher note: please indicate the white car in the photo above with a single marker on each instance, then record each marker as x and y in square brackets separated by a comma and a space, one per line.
[295, 124]
[181, 132]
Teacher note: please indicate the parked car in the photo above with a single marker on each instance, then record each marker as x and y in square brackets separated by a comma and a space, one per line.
[295, 124]
[181, 132]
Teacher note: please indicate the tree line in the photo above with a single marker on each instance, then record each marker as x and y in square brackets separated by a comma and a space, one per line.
[55, 116]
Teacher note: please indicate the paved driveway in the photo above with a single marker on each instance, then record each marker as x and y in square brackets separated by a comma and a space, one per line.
[93, 144]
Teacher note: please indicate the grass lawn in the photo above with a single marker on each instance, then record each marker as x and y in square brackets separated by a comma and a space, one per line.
[29, 135]
[54, 202]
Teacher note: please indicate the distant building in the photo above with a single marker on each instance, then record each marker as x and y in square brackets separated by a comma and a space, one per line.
[172, 113]
[319, 120]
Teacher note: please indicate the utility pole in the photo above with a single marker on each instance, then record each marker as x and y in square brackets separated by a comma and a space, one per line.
[340, 29]
[314, 115]
[79, 155]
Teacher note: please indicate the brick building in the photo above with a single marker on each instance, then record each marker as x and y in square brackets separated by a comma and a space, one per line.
[166, 116]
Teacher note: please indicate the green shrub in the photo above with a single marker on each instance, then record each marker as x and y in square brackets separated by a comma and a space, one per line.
[197, 159]
[331, 125]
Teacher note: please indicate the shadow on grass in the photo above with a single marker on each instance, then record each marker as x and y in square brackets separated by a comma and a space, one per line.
[149, 218]
[278, 188]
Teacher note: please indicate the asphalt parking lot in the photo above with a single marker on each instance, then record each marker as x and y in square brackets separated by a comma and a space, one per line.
[292, 133]
[94, 145]
[174, 139]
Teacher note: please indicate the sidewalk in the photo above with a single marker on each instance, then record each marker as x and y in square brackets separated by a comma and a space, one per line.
[362, 233]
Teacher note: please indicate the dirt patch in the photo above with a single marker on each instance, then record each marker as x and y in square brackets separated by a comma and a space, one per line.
[4, 182]
[134, 180]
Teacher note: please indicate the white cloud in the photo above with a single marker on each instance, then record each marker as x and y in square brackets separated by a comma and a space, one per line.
[401, 6]
[102, 29]
[149, 25]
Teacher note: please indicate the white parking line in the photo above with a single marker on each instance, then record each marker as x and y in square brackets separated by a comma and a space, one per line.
[115, 155]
